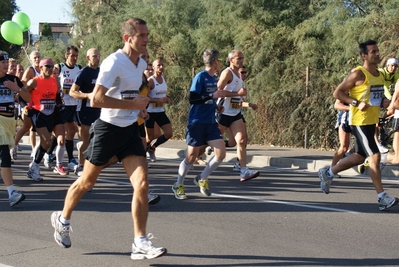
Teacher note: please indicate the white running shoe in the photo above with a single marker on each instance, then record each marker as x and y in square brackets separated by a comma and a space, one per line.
[15, 198]
[79, 145]
[14, 152]
[146, 250]
[236, 167]
[151, 153]
[387, 202]
[78, 170]
[325, 181]
[61, 231]
[246, 174]
[382, 148]
[72, 165]
[153, 198]
[47, 161]
[34, 172]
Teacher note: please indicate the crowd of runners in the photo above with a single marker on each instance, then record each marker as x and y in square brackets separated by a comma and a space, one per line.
[124, 102]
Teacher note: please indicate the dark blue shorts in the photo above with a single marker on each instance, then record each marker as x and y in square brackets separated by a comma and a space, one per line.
[198, 134]
[107, 140]
[226, 120]
[87, 116]
[345, 127]
[69, 114]
[159, 117]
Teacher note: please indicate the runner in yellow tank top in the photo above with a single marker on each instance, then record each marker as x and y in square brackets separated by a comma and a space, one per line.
[370, 92]
[363, 89]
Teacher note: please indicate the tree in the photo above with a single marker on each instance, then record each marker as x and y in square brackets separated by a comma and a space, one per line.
[46, 32]
[7, 9]
[280, 39]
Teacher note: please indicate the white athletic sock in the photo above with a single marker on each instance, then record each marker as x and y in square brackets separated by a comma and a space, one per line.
[330, 173]
[59, 153]
[384, 157]
[10, 189]
[140, 240]
[183, 170]
[64, 220]
[212, 165]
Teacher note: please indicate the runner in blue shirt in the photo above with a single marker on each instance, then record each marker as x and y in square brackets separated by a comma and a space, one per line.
[202, 127]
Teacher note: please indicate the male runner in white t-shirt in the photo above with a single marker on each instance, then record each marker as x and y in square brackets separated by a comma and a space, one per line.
[117, 93]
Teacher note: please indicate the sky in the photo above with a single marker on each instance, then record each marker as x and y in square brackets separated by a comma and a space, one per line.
[45, 11]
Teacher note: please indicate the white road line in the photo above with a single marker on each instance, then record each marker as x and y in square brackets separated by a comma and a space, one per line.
[258, 200]
[287, 203]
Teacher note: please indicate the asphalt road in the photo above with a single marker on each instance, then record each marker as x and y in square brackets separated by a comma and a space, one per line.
[280, 218]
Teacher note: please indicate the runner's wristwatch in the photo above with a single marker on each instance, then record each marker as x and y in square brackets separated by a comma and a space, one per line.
[355, 103]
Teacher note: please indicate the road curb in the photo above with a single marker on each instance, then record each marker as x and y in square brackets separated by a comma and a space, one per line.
[261, 161]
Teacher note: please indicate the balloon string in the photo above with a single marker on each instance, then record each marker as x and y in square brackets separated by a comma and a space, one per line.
[27, 56]
[28, 39]
[25, 49]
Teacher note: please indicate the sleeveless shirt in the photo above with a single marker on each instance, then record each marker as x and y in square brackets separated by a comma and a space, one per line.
[370, 92]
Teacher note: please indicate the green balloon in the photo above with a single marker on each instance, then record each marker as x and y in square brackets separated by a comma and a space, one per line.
[11, 32]
[22, 20]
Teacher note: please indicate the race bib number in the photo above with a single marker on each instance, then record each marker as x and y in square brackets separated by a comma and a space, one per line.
[47, 106]
[157, 105]
[7, 107]
[376, 95]
[6, 92]
[235, 103]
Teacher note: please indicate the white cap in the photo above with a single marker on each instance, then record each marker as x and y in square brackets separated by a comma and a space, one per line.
[393, 61]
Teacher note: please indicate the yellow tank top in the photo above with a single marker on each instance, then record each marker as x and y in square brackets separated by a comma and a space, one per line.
[370, 92]
[389, 82]
[143, 90]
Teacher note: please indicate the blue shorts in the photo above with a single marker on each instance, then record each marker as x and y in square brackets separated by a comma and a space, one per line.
[108, 140]
[342, 121]
[198, 134]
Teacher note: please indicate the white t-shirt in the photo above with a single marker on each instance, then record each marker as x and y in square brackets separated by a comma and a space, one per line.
[123, 80]
[158, 91]
[396, 114]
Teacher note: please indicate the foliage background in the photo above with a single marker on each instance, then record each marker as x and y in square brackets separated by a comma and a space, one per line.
[279, 40]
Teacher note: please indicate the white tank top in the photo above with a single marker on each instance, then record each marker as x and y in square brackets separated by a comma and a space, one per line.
[67, 78]
[232, 105]
[158, 91]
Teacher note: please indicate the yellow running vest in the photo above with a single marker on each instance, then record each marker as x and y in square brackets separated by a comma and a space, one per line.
[370, 92]
[389, 81]
[143, 90]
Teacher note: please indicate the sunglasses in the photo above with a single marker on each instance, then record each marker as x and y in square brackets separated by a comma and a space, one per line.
[49, 66]
[243, 72]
